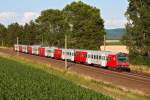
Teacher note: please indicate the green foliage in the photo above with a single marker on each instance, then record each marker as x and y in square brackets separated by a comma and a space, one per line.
[20, 81]
[30, 34]
[3, 32]
[52, 27]
[14, 30]
[88, 28]
[139, 60]
[137, 37]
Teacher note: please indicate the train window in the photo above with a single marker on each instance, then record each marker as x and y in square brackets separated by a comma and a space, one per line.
[88, 56]
[48, 50]
[96, 56]
[105, 58]
[92, 56]
[99, 57]
[85, 55]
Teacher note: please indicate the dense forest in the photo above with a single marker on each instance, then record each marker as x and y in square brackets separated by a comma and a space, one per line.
[81, 23]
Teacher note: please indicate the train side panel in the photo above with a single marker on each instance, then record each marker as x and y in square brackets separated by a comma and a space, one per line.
[35, 50]
[20, 48]
[41, 51]
[80, 56]
[24, 48]
[68, 54]
[112, 61]
[29, 48]
[57, 53]
[16, 47]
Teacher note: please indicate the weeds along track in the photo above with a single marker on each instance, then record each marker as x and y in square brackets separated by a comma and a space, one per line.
[128, 80]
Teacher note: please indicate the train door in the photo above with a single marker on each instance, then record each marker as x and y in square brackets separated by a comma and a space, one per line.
[88, 57]
[58, 53]
[41, 51]
[20, 48]
[103, 60]
[77, 56]
[111, 62]
[16, 47]
[83, 57]
[26, 49]
[72, 55]
[29, 49]
[47, 52]
[63, 54]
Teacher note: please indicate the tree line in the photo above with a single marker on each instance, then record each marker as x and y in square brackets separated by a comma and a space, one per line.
[84, 27]
[81, 23]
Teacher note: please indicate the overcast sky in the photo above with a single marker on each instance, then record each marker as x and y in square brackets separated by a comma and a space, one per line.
[22, 11]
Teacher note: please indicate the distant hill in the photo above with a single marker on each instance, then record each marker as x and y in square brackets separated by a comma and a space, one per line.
[115, 34]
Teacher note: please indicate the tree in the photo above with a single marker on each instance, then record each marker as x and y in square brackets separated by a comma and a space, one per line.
[3, 31]
[137, 36]
[52, 27]
[14, 30]
[88, 26]
[31, 33]
[138, 27]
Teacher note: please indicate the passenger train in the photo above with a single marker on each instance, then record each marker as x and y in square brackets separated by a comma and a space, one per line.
[105, 59]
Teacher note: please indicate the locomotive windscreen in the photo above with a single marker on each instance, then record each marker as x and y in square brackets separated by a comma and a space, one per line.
[122, 57]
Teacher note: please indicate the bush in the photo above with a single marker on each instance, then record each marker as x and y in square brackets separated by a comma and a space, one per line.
[139, 60]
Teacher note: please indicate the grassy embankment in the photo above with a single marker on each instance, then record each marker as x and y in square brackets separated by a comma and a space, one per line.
[72, 78]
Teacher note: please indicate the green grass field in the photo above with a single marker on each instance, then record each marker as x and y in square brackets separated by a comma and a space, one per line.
[22, 81]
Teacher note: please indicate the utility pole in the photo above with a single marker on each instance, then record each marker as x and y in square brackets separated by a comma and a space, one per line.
[66, 66]
[2, 43]
[71, 29]
[104, 42]
[17, 45]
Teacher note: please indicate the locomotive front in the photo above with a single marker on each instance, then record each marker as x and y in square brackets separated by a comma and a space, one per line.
[123, 62]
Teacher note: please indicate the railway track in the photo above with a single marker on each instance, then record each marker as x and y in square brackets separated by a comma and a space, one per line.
[139, 75]
[131, 80]
[124, 75]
